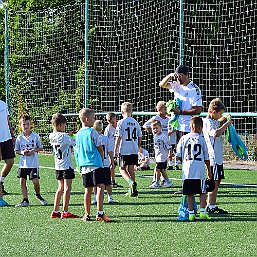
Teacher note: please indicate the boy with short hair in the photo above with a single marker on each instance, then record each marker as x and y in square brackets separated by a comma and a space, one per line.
[193, 153]
[90, 157]
[214, 126]
[162, 149]
[129, 137]
[108, 160]
[62, 143]
[110, 132]
[27, 145]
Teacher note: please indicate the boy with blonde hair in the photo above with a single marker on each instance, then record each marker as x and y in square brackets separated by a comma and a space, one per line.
[193, 153]
[214, 126]
[162, 149]
[128, 140]
[108, 160]
[62, 143]
[27, 145]
[90, 156]
[110, 132]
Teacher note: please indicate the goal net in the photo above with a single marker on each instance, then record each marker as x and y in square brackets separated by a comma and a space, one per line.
[132, 45]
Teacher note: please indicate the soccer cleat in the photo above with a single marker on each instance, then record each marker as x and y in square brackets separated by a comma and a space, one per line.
[170, 168]
[115, 185]
[204, 216]
[191, 217]
[86, 217]
[68, 215]
[176, 167]
[41, 200]
[134, 191]
[167, 184]
[155, 184]
[103, 217]
[3, 203]
[22, 204]
[111, 201]
[55, 214]
[216, 210]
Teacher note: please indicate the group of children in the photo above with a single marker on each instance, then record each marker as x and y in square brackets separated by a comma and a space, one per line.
[96, 155]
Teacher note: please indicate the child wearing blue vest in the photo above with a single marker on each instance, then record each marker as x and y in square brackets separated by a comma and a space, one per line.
[90, 156]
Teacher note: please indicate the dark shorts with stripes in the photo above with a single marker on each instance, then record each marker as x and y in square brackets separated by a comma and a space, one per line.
[93, 178]
[193, 186]
[218, 172]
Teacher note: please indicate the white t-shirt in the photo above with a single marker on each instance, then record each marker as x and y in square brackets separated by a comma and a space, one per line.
[61, 143]
[143, 156]
[28, 143]
[129, 131]
[193, 150]
[161, 147]
[107, 147]
[110, 132]
[163, 121]
[189, 96]
[5, 130]
[214, 144]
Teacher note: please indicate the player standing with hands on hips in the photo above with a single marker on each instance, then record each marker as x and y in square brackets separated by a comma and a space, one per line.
[188, 93]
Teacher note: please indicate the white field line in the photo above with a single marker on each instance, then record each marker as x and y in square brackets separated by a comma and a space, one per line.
[150, 176]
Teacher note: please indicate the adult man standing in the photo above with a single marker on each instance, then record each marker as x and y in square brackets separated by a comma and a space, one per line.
[6, 147]
[188, 93]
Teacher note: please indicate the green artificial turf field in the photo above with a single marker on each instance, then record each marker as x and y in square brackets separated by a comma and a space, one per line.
[142, 226]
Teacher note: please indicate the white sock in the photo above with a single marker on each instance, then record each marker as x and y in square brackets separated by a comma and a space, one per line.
[100, 213]
[211, 206]
[110, 197]
[170, 163]
[191, 212]
[2, 179]
[177, 162]
[203, 210]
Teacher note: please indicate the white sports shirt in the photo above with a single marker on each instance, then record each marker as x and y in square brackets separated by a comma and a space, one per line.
[161, 147]
[110, 132]
[129, 131]
[107, 147]
[164, 122]
[61, 143]
[144, 155]
[190, 96]
[193, 150]
[5, 130]
[28, 143]
[214, 144]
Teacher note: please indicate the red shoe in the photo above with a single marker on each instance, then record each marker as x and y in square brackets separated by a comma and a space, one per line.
[103, 217]
[68, 215]
[55, 214]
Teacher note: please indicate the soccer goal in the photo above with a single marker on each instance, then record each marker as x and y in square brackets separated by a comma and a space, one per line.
[101, 53]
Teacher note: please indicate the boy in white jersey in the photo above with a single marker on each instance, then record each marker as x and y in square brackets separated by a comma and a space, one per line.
[128, 141]
[27, 145]
[193, 153]
[90, 156]
[62, 143]
[162, 149]
[108, 160]
[143, 159]
[164, 120]
[214, 126]
[110, 132]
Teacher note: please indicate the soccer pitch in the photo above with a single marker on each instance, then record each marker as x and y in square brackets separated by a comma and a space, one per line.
[142, 226]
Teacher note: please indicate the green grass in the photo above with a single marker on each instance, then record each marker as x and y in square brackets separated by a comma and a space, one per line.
[143, 226]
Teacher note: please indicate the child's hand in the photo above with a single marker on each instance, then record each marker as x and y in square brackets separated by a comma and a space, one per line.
[176, 110]
[30, 152]
[71, 133]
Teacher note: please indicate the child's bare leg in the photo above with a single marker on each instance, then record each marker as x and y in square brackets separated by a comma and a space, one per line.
[124, 174]
[109, 189]
[131, 172]
[7, 167]
[157, 174]
[24, 189]
[164, 174]
[203, 201]
[66, 194]
[212, 196]
[87, 199]
[190, 202]
[58, 195]
[36, 184]
[100, 196]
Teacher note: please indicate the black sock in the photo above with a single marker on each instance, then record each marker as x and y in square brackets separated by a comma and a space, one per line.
[39, 196]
